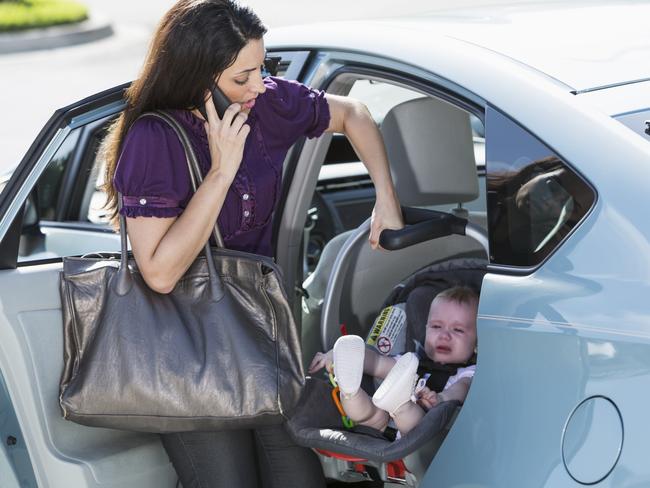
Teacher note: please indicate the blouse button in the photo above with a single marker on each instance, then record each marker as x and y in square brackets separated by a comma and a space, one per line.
[245, 196]
[246, 213]
[143, 201]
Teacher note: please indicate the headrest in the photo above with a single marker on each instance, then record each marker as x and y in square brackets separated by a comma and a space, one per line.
[431, 152]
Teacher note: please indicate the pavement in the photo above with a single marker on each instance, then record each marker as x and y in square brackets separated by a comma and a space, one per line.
[92, 29]
[44, 70]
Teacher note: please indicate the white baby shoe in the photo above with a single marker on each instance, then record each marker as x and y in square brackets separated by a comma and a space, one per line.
[349, 352]
[398, 386]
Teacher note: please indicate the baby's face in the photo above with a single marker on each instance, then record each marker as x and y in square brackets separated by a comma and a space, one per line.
[451, 331]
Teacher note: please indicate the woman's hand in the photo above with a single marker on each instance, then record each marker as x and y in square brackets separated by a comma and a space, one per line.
[386, 214]
[226, 138]
[320, 361]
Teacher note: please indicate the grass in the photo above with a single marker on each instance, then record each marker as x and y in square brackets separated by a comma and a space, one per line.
[28, 14]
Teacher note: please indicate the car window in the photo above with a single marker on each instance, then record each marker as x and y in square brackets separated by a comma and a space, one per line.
[534, 198]
[63, 214]
[47, 193]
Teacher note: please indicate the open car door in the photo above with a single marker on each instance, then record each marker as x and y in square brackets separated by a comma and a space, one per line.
[50, 208]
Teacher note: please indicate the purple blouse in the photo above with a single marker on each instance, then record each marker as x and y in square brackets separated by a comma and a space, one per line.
[152, 173]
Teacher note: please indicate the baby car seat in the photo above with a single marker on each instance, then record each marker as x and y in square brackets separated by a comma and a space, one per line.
[361, 452]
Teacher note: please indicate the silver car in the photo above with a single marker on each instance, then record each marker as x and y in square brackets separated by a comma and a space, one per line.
[531, 125]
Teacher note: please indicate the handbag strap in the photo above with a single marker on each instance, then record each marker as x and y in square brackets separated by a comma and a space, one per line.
[124, 276]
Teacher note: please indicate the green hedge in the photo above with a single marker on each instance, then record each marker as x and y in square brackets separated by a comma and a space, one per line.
[27, 14]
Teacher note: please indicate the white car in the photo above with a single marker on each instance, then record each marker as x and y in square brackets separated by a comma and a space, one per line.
[531, 124]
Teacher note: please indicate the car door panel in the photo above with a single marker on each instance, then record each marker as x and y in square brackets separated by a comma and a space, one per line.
[31, 341]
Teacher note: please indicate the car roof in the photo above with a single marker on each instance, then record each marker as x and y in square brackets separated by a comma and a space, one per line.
[581, 46]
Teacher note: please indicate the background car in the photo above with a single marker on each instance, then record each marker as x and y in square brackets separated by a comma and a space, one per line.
[536, 136]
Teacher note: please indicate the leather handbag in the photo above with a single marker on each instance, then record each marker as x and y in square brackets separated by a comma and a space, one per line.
[220, 351]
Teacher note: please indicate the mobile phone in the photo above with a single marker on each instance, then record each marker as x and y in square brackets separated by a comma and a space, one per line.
[221, 103]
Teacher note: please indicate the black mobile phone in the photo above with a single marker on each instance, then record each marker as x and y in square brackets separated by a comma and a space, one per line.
[221, 103]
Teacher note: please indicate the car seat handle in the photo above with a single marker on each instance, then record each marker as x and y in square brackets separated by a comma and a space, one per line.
[421, 225]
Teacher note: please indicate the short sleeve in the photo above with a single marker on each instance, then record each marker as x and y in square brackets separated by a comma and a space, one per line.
[291, 110]
[151, 172]
[461, 373]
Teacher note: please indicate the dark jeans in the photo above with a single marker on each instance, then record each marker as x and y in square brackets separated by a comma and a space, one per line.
[265, 457]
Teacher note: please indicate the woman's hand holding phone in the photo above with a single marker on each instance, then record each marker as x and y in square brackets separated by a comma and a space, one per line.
[226, 138]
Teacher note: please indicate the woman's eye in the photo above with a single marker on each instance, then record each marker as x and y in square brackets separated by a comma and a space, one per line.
[241, 82]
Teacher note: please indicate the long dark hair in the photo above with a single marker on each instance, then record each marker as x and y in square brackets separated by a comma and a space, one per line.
[195, 41]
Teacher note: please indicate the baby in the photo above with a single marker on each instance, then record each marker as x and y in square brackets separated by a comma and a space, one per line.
[450, 340]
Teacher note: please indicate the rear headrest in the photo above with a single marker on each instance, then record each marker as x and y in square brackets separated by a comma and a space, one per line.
[431, 152]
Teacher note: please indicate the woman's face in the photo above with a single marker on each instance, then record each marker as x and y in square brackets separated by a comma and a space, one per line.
[242, 81]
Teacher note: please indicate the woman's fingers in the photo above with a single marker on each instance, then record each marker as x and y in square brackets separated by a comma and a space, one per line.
[385, 215]
[213, 117]
[229, 115]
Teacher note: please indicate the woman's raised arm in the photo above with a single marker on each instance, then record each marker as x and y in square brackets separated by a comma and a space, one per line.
[352, 118]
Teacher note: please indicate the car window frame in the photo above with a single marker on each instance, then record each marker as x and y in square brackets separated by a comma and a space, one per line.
[37, 158]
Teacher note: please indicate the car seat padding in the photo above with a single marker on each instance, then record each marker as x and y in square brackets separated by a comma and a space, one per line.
[317, 424]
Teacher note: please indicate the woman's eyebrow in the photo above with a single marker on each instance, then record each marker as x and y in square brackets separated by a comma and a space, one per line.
[245, 71]
[251, 69]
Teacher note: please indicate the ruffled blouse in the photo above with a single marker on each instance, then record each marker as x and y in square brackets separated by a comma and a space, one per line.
[153, 178]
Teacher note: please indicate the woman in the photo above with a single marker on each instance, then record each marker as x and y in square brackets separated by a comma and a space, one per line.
[197, 44]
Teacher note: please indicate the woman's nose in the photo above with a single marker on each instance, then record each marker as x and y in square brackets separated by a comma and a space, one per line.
[259, 87]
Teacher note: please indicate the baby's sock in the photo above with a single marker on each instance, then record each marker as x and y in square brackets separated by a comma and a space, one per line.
[349, 353]
[397, 388]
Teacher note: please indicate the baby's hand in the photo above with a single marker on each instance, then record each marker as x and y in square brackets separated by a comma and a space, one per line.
[321, 360]
[427, 398]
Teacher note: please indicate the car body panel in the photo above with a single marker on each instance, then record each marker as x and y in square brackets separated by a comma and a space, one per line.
[548, 341]
[574, 43]
[573, 327]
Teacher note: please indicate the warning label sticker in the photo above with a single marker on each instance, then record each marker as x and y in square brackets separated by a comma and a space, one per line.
[388, 333]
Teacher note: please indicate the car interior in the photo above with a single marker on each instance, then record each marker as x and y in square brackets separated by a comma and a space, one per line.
[436, 149]
[433, 151]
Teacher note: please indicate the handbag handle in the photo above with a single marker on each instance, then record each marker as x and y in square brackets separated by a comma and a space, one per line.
[124, 280]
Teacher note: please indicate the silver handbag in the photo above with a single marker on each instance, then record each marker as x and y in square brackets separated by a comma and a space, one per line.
[220, 351]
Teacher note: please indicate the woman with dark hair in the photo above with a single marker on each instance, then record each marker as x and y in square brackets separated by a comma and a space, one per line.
[200, 43]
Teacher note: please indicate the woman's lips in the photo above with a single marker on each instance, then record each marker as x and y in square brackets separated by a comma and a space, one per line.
[250, 104]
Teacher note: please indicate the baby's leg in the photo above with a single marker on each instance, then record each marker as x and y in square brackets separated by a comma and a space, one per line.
[359, 407]
[407, 416]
